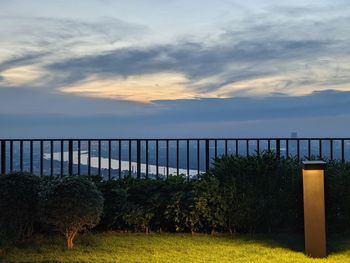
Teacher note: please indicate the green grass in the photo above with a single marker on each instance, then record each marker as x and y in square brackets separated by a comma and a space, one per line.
[116, 247]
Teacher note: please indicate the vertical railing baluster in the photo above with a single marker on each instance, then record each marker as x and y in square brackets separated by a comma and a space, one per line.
[129, 157]
[109, 159]
[177, 157]
[247, 148]
[331, 149]
[146, 159]
[309, 148]
[70, 157]
[188, 159]
[89, 157]
[198, 156]
[287, 148]
[120, 159]
[3, 157]
[138, 158]
[41, 158]
[31, 157]
[21, 155]
[236, 148]
[99, 157]
[298, 149]
[157, 159]
[79, 157]
[207, 156]
[226, 150]
[51, 158]
[342, 151]
[167, 159]
[320, 149]
[258, 146]
[278, 148]
[62, 157]
[269, 145]
[11, 156]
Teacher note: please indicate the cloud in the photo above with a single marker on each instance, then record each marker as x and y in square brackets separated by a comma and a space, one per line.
[143, 88]
[22, 75]
[262, 68]
[261, 55]
[267, 52]
[43, 40]
[20, 60]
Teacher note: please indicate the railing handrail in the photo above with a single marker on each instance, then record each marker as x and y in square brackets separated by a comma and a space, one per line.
[173, 138]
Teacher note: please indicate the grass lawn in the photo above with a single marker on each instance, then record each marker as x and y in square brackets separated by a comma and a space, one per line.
[116, 247]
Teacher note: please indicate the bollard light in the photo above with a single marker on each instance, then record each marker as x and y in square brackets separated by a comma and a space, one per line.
[314, 209]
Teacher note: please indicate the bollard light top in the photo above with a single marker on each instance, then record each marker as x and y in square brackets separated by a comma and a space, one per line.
[313, 165]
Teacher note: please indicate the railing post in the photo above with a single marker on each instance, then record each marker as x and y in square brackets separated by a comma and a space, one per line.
[138, 158]
[157, 158]
[278, 148]
[207, 161]
[70, 157]
[3, 157]
[109, 159]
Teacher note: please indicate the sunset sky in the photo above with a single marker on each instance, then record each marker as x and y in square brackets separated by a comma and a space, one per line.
[160, 68]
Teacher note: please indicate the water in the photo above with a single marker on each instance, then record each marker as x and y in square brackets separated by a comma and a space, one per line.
[152, 169]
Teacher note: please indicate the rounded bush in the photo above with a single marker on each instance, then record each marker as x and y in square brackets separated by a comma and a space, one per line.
[18, 206]
[71, 204]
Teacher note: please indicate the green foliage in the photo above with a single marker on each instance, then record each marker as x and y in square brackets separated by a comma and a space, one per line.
[114, 205]
[18, 206]
[209, 202]
[239, 194]
[337, 179]
[142, 203]
[262, 193]
[71, 204]
[179, 211]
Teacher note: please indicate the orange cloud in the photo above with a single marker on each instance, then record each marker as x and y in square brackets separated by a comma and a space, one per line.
[24, 75]
[141, 88]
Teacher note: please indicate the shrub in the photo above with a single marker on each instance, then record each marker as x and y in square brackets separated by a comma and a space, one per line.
[337, 183]
[146, 201]
[71, 204]
[262, 193]
[197, 206]
[177, 211]
[114, 207]
[18, 206]
[209, 202]
[140, 209]
[139, 205]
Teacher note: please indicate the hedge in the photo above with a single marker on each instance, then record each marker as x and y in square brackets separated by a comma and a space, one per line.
[254, 194]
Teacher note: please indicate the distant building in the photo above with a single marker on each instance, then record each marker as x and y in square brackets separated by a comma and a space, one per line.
[294, 135]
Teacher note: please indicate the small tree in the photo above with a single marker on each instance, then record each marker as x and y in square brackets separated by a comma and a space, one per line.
[71, 204]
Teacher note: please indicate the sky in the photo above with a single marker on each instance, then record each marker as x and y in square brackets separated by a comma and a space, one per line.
[154, 68]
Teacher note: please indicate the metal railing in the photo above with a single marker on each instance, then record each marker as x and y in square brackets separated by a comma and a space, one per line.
[114, 158]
